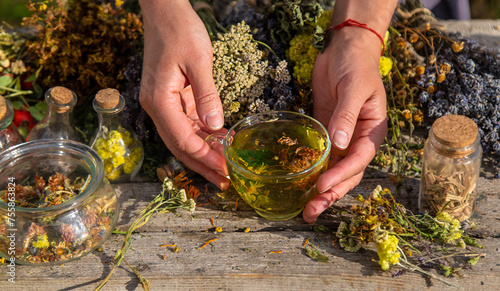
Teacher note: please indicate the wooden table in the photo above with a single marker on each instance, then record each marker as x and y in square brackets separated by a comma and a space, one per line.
[250, 261]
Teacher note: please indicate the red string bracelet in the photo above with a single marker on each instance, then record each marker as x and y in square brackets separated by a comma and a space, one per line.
[350, 22]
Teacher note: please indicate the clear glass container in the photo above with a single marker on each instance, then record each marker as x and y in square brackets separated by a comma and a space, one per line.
[450, 168]
[9, 135]
[51, 235]
[120, 149]
[57, 121]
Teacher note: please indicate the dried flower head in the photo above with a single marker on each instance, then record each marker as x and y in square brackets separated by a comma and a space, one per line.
[240, 71]
[457, 46]
[81, 44]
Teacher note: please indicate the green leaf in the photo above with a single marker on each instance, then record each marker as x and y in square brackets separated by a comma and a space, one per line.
[18, 105]
[322, 228]
[315, 255]
[473, 261]
[5, 81]
[472, 242]
[38, 110]
[448, 270]
[31, 78]
[255, 158]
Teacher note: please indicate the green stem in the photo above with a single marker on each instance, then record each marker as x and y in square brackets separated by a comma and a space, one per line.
[412, 267]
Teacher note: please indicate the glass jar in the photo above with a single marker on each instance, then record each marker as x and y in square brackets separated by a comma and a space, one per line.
[54, 234]
[120, 148]
[56, 123]
[9, 135]
[450, 169]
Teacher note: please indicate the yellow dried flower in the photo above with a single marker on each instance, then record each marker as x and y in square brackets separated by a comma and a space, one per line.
[385, 66]
[42, 242]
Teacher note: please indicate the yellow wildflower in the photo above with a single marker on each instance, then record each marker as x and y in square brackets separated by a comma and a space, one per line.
[42, 242]
[385, 66]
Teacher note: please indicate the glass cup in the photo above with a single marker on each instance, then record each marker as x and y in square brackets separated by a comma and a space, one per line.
[274, 160]
[56, 233]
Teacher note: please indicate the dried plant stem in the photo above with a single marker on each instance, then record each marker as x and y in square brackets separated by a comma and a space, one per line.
[164, 202]
[411, 267]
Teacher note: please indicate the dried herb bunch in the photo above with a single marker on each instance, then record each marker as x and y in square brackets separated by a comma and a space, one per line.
[240, 71]
[383, 221]
[13, 71]
[81, 44]
[61, 236]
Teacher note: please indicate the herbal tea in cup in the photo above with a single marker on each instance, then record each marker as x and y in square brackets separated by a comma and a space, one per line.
[274, 160]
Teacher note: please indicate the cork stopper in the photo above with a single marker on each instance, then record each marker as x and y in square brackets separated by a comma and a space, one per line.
[108, 98]
[456, 131]
[3, 107]
[61, 95]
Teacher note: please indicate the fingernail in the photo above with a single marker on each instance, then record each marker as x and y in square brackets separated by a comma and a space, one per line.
[223, 175]
[340, 139]
[326, 189]
[214, 120]
[310, 220]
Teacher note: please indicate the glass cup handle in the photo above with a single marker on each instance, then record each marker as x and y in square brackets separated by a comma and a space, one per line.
[215, 142]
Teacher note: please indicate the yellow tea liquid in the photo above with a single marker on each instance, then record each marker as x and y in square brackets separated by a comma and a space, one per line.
[280, 158]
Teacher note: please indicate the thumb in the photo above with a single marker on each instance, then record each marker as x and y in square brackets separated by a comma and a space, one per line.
[343, 120]
[207, 99]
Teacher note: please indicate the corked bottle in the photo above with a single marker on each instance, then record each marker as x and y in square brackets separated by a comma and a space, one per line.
[57, 121]
[9, 135]
[450, 170]
[120, 149]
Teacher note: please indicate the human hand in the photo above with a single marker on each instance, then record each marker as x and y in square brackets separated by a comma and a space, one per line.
[178, 54]
[350, 101]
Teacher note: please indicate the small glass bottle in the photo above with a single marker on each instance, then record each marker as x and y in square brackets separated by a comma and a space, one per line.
[450, 169]
[120, 148]
[9, 135]
[57, 121]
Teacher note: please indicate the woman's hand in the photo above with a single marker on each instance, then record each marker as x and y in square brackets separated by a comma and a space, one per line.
[350, 100]
[177, 87]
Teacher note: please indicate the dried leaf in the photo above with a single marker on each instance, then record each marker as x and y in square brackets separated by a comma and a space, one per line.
[315, 255]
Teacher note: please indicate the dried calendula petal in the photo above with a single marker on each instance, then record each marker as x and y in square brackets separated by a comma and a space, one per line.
[441, 78]
[457, 46]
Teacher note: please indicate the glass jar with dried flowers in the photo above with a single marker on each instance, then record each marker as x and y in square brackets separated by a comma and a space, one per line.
[55, 203]
[119, 147]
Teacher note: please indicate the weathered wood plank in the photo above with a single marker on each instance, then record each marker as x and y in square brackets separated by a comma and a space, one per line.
[242, 261]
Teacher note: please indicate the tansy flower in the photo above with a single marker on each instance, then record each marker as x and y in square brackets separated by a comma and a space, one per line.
[385, 66]
[42, 242]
